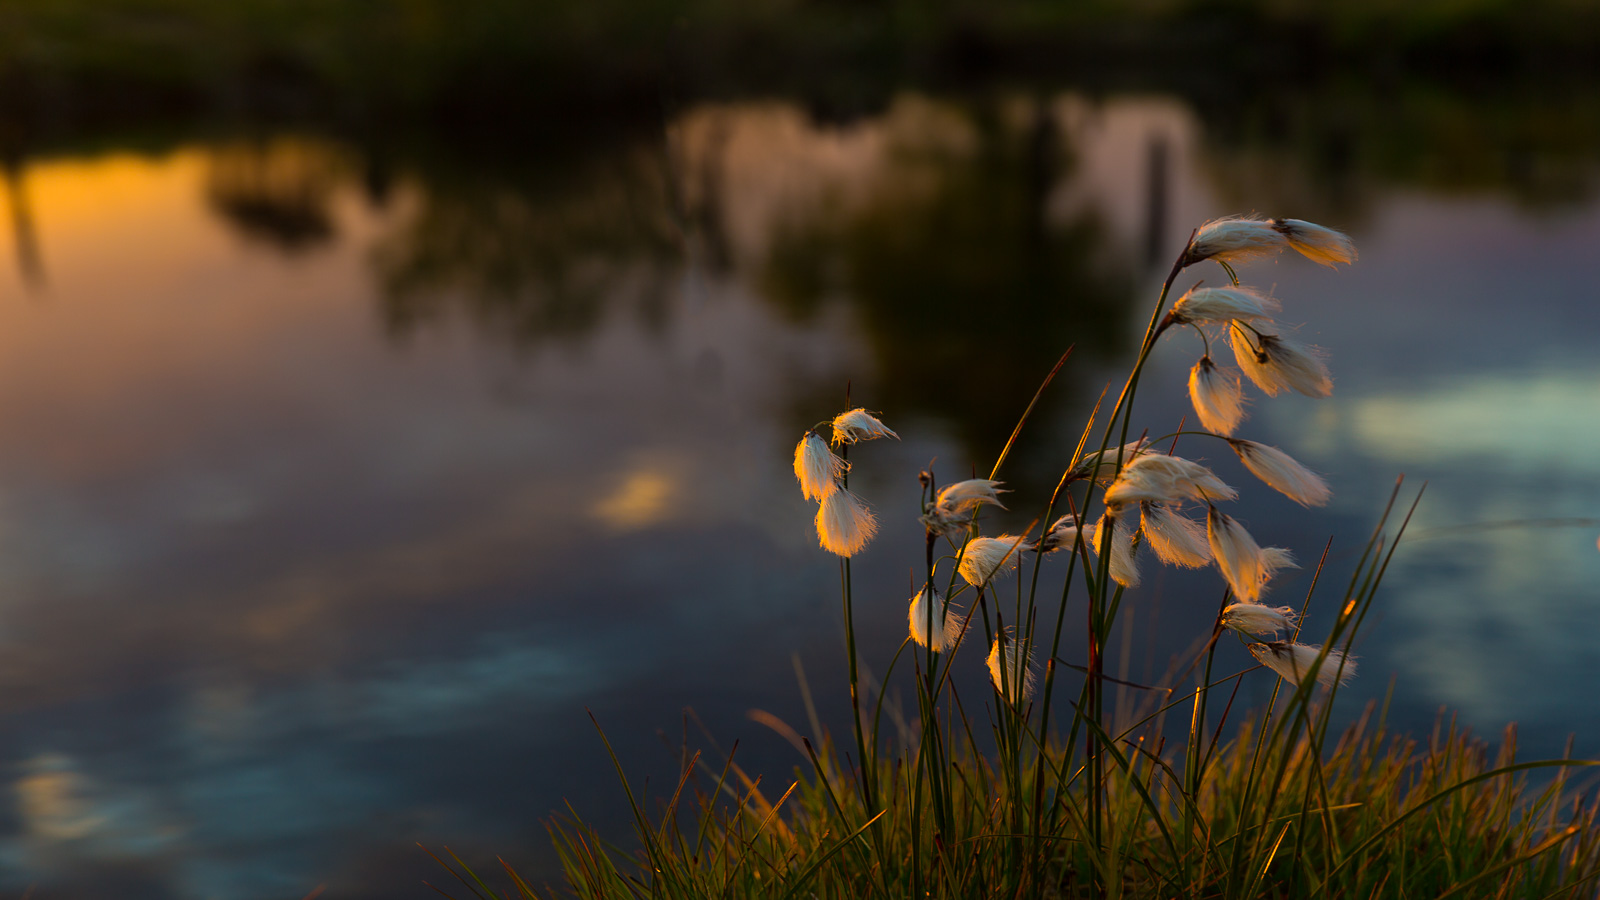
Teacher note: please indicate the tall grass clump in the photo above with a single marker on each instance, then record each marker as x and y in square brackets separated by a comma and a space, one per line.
[1040, 788]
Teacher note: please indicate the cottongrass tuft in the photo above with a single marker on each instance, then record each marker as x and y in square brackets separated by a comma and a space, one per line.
[1063, 535]
[1272, 560]
[1102, 465]
[844, 523]
[1177, 539]
[985, 557]
[1217, 395]
[1237, 554]
[817, 467]
[1234, 239]
[1282, 473]
[1317, 243]
[966, 494]
[1254, 618]
[1214, 306]
[931, 614]
[1124, 568]
[1277, 364]
[859, 425]
[1294, 661]
[958, 503]
[1016, 681]
[1158, 478]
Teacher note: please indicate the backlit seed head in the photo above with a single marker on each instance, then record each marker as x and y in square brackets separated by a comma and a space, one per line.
[1275, 363]
[1177, 539]
[1237, 554]
[957, 504]
[1063, 535]
[1317, 243]
[1273, 559]
[844, 523]
[1124, 568]
[1294, 661]
[931, 614]
[817, 467]
[1234, 239]
[859, 425]
[1158, 478]
[985, 558]
[1280, 471]
[1253, 618]
[1214, 306]
[963, 496]
[1103, 466]
[1217, 395]
[1016, 680]
[1142, 484]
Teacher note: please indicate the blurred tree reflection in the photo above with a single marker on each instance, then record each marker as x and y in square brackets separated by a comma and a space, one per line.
[532, 259]
[277, 191]
[965, 285]
[1328, 148]
[933, 222]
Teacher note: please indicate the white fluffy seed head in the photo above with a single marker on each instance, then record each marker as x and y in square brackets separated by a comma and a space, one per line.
[1276, 364]
[1143, 484]
[1217, 395]
[1214, 306]
[1234, 239]
[817, 467]
[931, 614]
[984, 558]
[1280, 471]
[957, 504]
[1177, 539]
[859, 425]
[1103, 466]
[844, 523]
[1124, 568]
[1294, 662]
[1158, 478]
[964, 495]
[1273, 559]
[1253, 618]
[1016, 681]
[1316, 242]
[1237, 554]
[1063, 535]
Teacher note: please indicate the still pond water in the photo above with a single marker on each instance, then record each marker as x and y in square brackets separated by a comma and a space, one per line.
[335, 489]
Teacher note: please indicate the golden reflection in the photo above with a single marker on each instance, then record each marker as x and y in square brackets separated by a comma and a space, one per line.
[51, 803]
[643, 498]
[300, 605]
[155, 314]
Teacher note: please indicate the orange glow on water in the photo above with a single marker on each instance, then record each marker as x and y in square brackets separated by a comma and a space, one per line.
[149, 314]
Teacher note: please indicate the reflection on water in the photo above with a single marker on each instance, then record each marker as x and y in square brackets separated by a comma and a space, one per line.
[532, 257]
[276, 191]
[311, 555]
[25, 240]
[950, 255]
[1518, 528]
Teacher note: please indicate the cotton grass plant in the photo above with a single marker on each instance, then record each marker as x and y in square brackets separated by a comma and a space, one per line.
[1039, 789]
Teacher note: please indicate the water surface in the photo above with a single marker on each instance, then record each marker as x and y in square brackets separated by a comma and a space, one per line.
[335, 486]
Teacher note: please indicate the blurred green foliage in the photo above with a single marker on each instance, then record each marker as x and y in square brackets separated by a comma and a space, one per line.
[490, 61]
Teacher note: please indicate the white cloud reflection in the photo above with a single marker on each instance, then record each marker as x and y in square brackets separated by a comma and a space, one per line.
[1484, 605]
[1516, 421]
